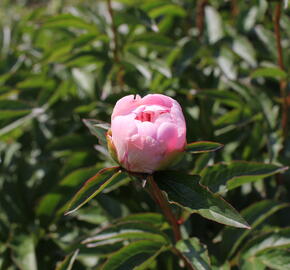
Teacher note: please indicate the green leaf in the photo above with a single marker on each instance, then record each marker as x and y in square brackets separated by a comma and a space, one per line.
[153, 40]
[13, 108]
[155, 219]
[96, 184]
[227, 64]
[130, 230]
[22, 121]
[214, 24]
[269, 72]
[203, 147]
[184, 190]
[137, 255]
[243, 47]
[98, 129]
[276, 259]
[253, 264]
[169, 9]
[60, 195]
[68, 262]
[223, 96]
[222, 177]
[255, 214]
[145, 19]
[267, 37]
[195, 253]
[68, 20]
[23, 252]
[278, 238]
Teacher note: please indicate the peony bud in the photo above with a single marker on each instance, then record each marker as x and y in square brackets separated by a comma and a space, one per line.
[147, 134]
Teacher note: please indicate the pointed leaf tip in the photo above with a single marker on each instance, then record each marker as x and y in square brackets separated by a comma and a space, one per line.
[203, 147]
[92, 187]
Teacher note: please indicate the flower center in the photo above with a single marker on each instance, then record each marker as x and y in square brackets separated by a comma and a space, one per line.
[145, 116]
[149, 116]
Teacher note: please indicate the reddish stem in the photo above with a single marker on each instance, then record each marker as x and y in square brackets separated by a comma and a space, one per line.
[163, 204]
[116, 45]
[283, 83]
[200, 16]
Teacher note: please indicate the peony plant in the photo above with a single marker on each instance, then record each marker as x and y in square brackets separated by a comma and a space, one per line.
[146, 137]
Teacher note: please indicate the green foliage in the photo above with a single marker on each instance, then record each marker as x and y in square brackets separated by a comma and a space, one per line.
[203, 147]
[195, 253]
[62, 61]
[185, 191]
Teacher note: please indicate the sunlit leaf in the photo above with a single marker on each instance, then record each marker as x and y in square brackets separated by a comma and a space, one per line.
[274, 239]
[255, 215]
[195, 253]
[68, 262]
[98, 129]
[184, 190]
[94, 186]
[220, 177]
[270, 72]
[23, 252]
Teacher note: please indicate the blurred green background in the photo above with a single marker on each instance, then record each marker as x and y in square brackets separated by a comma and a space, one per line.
[65, 60]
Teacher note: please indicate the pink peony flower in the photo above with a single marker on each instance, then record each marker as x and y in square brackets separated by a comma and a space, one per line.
[147, 134]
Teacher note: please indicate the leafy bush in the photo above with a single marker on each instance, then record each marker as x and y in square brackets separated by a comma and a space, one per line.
[63, 61]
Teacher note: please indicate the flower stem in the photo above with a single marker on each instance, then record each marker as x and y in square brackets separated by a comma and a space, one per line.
[163, 204]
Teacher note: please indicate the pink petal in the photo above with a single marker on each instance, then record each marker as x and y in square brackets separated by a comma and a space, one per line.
[123, 127]
[146, 159]
[126, 105]
[147, 129]
[157, 99]
[167, 132]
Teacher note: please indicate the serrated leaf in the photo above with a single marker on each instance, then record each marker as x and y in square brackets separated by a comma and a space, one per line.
[96, 184]
[98, 129]
[136, 255]
[195, 253]
[269, 72]
[255, 215]
[184, 190]
[203, 147]
[222, 177]
[128, 230]
[68, 262]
